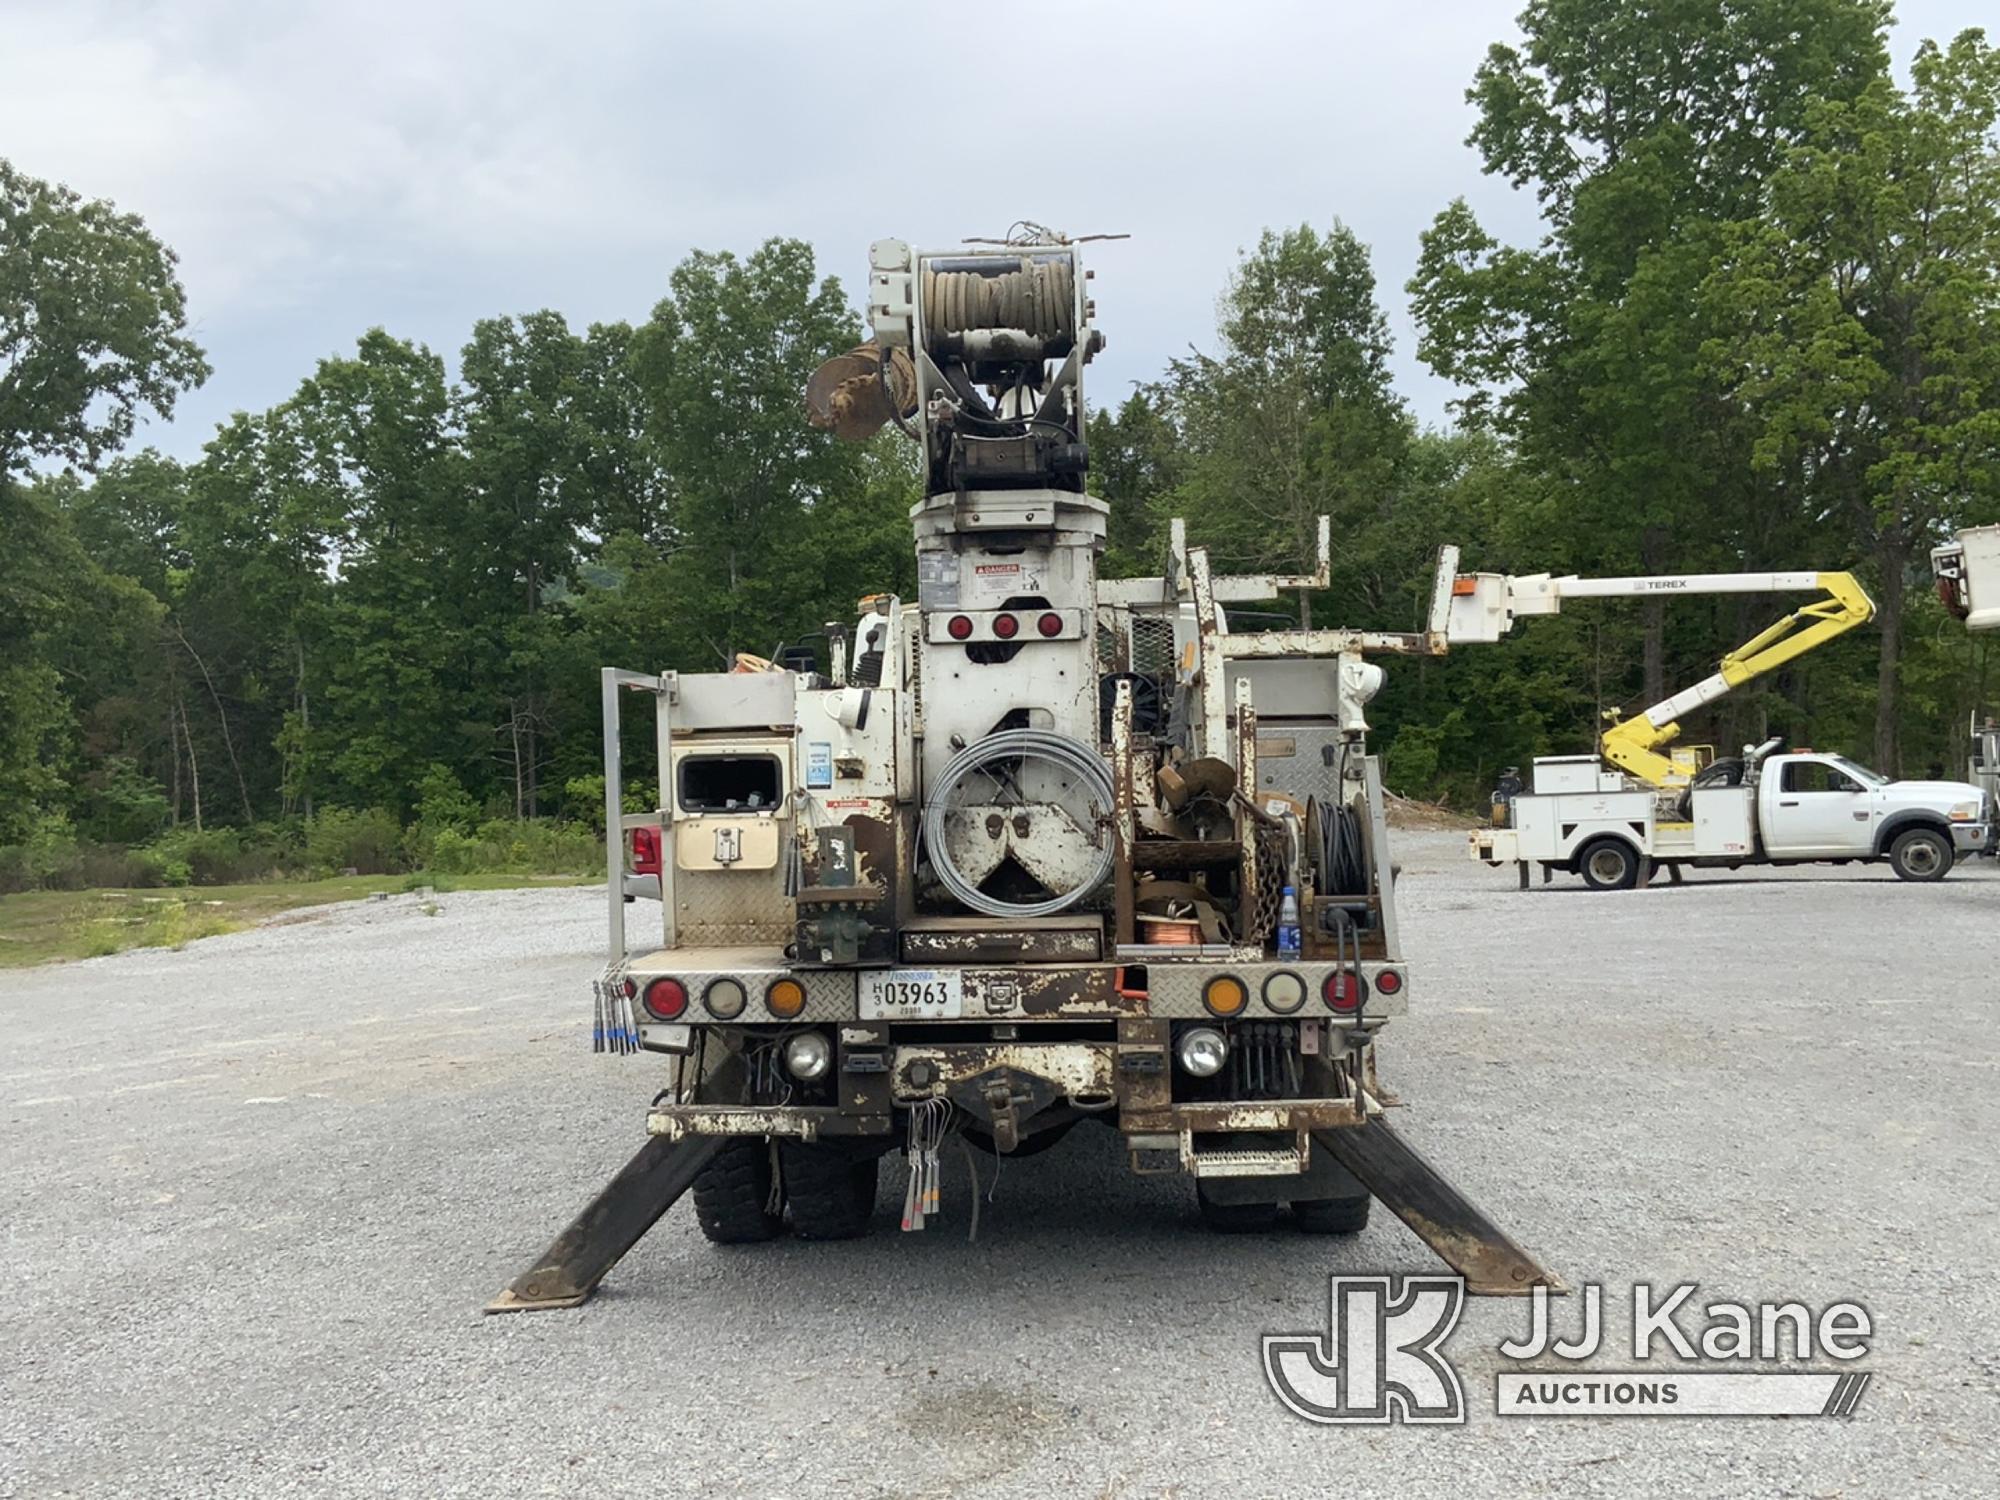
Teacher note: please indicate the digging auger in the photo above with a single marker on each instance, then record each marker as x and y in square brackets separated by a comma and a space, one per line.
[631, 1203]
[1439, 1214]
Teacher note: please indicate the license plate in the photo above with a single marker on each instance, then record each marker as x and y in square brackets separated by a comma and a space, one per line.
[911, 995]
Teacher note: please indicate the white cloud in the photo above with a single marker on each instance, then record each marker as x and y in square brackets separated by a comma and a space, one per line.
[322, 167]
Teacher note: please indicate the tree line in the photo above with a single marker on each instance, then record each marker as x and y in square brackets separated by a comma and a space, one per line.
[1761, 330]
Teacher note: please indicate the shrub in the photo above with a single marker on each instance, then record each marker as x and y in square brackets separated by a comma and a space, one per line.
[121, 804]
[340, 838]
[442, 802]
[159, 867]
[523, 846]
[49, 858]
[211, 856]
[110, 865]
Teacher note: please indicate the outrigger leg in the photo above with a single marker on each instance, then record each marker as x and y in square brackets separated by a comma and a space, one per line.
[1442, 1217]
[617, 1219]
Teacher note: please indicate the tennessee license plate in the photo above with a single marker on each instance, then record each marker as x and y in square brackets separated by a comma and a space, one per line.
[911, 994]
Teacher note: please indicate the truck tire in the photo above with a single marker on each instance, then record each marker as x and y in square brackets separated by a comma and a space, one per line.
[1921, 854]
[1235, 1218]
[1608, 865]
[732, 1196]
[829, 1192]
[1333, 1215]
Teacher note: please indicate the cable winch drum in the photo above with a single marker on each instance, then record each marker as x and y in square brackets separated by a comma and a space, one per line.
[1069, 755]
[1037, 298]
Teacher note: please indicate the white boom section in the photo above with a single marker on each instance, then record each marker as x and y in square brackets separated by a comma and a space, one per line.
[1484, 607]
[1968, 575]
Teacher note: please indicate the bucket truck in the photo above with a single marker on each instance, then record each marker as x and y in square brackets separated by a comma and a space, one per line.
[1644, 801]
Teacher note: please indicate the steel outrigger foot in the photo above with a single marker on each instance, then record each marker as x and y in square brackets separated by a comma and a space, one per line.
[617, 1219]
[1441, 1216]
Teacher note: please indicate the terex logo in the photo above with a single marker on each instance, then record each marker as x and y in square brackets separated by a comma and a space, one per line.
[1380, 1360]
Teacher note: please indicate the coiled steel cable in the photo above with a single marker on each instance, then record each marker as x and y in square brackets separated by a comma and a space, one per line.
[1070, 755]
[1038, 299]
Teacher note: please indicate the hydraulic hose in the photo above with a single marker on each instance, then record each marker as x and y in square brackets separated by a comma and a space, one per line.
[1072, 756]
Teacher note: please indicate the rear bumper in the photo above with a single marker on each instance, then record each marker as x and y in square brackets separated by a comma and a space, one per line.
[1025, 993]
[1016, 1088]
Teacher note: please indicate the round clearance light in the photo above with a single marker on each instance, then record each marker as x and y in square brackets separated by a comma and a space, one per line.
[1006, 627]
[666, 999]
[807, 1056]
[1050, 625]
[1284, 992]
[960, 627]
[1202, 1051]
[1344, 991]
[1389, 982]
[785, 998]
[724, 999]
[1225, 996]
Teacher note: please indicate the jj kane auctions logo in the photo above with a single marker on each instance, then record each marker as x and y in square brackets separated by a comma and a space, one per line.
[1382, 1357]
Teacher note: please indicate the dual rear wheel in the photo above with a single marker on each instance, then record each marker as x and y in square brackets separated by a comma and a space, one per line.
[821, 1192]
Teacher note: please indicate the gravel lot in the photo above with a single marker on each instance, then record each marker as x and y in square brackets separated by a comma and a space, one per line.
[256, 1192]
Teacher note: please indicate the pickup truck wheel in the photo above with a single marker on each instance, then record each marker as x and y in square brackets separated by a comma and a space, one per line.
[732, 1196]
[1609, 865]
[829, 1192]
[1235, 1218]
[1332, 1215]
[1921, 854]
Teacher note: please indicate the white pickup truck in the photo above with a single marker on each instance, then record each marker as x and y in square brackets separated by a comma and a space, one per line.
[1767, 809]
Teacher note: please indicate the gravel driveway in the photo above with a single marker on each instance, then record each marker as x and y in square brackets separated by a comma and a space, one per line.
[256, 1192]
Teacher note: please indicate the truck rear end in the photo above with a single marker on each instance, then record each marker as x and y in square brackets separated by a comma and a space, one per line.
[1033, 851]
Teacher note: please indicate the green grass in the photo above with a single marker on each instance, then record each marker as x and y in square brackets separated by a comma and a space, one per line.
[39, 927]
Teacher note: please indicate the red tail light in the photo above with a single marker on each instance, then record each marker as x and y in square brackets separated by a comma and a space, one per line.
[960, 627]
[666, 999]
[645, 851]
[1005, 626]
[1344, 991]
[1388, 982]
[1050, 625]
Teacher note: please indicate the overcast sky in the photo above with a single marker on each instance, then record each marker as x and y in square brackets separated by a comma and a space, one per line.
[325, 167]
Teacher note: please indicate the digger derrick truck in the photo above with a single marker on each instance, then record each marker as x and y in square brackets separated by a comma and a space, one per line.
[1038, 849]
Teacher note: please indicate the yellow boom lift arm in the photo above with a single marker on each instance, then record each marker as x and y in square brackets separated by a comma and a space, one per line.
[1485, 606]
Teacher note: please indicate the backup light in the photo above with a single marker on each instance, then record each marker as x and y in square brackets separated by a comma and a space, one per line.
[1202, 1051]
[1284, 992]
[807, 1056]
[724, 999]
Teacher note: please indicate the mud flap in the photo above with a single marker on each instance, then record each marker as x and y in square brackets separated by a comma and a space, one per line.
[617, 1219]
[1441, 1216]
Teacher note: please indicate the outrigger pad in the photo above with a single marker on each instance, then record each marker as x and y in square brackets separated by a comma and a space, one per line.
[1441, 1216]
[616, 1220]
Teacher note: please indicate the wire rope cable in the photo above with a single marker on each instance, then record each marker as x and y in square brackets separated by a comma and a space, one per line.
[983, 756]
